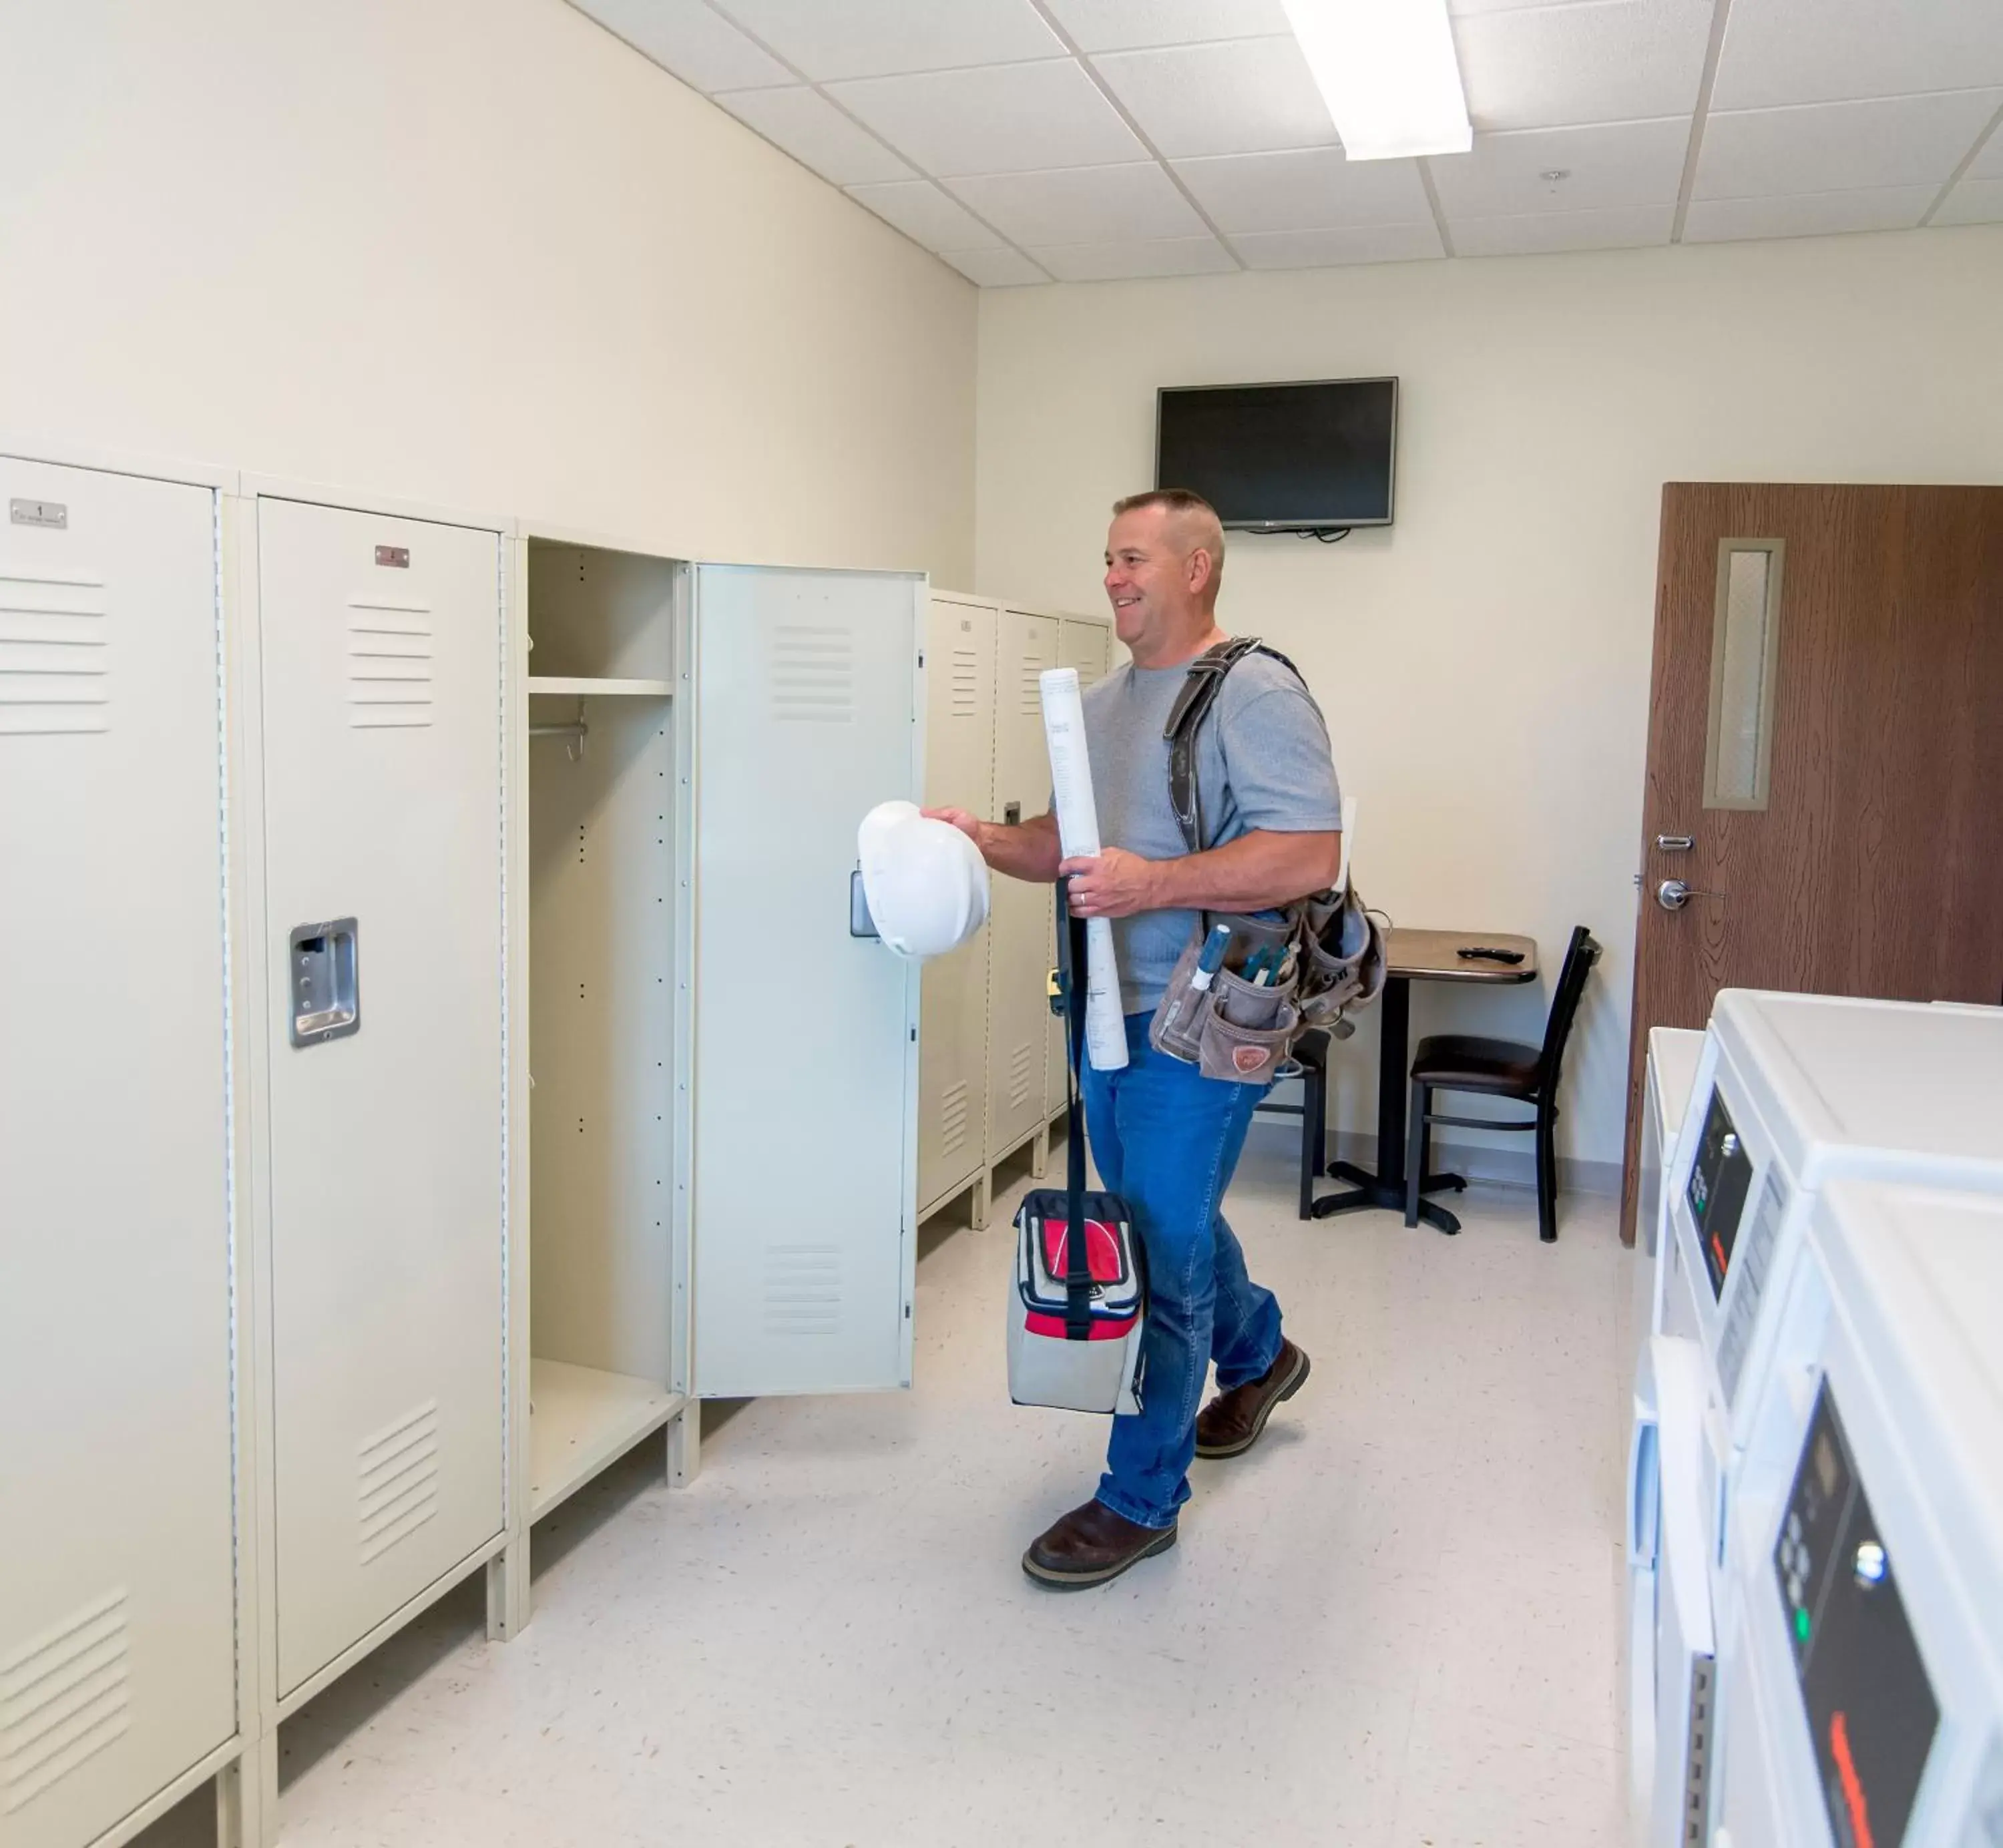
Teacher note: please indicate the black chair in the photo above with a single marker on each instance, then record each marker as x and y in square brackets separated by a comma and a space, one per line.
[1502, 1068]
[1310, 1053]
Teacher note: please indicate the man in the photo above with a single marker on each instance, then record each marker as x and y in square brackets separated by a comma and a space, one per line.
[1165, 1137]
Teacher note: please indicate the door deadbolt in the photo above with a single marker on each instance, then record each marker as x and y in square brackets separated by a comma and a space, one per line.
[1673, 843]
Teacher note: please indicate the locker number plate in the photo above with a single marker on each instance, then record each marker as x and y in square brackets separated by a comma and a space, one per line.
[37, 513]
[398, 555]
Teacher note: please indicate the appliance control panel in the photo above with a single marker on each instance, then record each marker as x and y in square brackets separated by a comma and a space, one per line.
[1720, 1177]
[1868, 1701]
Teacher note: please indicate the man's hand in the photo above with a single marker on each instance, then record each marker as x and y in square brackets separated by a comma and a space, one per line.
[967, 824]
[1022, 850]
[1114, 884]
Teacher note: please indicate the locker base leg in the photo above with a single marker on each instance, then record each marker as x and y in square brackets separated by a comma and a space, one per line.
[247, 1798]
[1039, 1153]
[508, 1598]
[981, 1202]
[685, 1445]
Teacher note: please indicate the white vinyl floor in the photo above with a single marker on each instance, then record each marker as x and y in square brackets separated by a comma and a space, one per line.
[1394, 1623]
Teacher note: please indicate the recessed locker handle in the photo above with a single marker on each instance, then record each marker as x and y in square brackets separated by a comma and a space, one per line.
[325, 988]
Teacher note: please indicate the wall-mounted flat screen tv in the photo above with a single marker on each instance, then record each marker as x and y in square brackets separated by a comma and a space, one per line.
[1282, 458]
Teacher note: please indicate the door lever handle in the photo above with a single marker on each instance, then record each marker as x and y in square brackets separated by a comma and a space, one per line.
[1673, 894]
[1673, 843]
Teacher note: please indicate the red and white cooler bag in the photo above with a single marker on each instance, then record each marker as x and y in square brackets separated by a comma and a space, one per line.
[1080, 1301]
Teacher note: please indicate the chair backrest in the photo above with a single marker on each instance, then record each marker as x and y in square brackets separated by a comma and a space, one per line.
[1581, 954]
[1348, 838]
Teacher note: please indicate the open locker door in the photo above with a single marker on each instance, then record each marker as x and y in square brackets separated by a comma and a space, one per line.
[804, 1060]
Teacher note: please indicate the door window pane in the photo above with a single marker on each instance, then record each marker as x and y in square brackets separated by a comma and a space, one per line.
[1745, 646]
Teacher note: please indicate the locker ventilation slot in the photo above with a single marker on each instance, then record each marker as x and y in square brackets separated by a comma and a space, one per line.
[54, 656]
[966, 684]
[802, 1289]
[1032, 689]
[1021, 1068]
[955, 1114]
[63, 1699]
[813, 673]
[389, 663]
[398, 1485]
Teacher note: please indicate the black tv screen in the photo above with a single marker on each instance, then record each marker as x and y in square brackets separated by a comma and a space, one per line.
[1277, 457]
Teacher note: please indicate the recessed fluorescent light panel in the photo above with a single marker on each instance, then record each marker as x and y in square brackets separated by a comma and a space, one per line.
[1387, 71]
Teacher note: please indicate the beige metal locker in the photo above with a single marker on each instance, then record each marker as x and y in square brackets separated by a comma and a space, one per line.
[605, 814]
[117, 1675]
[953, 1038]
[381, 644]
[1083, 642]
[1021, 926]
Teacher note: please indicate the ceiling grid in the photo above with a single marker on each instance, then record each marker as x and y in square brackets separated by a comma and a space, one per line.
[1027, 140]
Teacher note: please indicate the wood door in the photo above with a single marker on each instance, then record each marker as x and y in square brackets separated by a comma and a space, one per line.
[1824, 732]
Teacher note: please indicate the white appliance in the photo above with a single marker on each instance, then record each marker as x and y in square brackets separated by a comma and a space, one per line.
[1793, 1091]
[1659, 1679]
[1864, 1702]
[1789, 1091]
[1674, 1055]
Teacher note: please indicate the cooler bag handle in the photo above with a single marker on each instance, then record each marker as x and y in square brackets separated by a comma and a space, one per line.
[1071, 986]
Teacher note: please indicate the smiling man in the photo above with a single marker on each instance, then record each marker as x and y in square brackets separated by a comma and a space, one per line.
[1165, 1137]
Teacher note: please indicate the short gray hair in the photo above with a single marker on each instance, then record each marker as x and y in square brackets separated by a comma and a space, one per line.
[1184, 503]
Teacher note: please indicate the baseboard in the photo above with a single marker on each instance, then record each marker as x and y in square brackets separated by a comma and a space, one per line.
[1478, 1160]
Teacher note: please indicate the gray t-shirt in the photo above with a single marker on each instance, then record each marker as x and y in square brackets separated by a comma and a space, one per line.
[1263, 761]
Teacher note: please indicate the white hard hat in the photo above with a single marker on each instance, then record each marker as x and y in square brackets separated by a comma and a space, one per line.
[926, 882]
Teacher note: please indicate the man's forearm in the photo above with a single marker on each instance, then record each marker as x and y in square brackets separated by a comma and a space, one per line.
[1027, 851]
[1256, 872]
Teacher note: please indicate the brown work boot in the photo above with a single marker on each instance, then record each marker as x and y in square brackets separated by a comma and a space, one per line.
[1092, 1546]
[1230, 1424]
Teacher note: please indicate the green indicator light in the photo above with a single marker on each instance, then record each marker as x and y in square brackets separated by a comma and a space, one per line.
[1802, 1625]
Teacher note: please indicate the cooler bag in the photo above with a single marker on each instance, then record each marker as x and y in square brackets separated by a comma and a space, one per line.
[1080, 1299]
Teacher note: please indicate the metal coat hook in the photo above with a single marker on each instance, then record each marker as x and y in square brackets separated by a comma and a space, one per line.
[576, 732]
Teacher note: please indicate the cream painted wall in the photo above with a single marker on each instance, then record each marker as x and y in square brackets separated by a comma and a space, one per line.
[1484, 662]
[471, 251]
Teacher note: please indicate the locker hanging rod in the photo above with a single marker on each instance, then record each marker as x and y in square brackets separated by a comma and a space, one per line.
[577, 729]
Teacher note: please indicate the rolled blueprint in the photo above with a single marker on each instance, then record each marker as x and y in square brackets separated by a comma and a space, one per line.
[1078, 832]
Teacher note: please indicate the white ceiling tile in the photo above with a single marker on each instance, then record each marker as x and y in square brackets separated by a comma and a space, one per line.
[1007, 119]
[1973, 202]
[830, 39]
[996, 268]
[1607, 61]
[1129, 25]
[1616, 164]
[1813, 215]
[1317, 190]
[1464, 8]
[1988, 165]
[920, 210]
[1251, 96]
[1114, 262]
[1841, 147]
[1779, 51]
[812, 130]
[1535, 233]
[1083, 205]
[689, 39]
[1324, 250]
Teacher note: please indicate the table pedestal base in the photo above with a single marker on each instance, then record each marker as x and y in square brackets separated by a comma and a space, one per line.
[1367, 1191]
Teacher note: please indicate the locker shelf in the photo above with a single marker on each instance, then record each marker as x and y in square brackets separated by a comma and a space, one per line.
[585, 688]
[580, 1419]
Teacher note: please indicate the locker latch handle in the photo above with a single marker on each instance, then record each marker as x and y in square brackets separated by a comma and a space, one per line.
[322, 963]
[860, 923]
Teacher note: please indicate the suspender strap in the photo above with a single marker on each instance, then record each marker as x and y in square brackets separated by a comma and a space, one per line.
[1078, 1256]
[1200, 689]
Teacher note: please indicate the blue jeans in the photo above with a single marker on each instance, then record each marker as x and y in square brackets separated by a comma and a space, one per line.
[1166, 1139]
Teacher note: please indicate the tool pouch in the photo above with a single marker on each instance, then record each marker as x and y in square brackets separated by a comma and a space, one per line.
[1232, 1030]
[1342, 948]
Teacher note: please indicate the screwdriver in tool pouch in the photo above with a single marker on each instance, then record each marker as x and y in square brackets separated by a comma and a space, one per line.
[1208, 964]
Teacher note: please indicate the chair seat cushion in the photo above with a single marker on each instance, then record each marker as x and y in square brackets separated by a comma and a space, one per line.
[1467, 1062]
